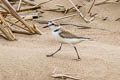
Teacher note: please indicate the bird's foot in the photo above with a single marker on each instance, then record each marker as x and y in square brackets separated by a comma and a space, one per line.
[77, 59]
[49, 55]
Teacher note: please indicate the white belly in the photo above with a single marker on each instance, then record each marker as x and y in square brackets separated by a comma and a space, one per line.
[73, 41]
[66, 40]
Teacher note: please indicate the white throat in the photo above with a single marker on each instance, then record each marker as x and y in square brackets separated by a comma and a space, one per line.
[53, 27]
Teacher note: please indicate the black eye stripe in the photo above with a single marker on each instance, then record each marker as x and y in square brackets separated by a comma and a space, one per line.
[54, 24]
[56, 30]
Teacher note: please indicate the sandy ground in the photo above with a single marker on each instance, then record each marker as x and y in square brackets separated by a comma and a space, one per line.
[25, 59]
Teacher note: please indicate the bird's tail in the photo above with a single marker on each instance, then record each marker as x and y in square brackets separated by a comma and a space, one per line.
[90, 39]
[87, 39]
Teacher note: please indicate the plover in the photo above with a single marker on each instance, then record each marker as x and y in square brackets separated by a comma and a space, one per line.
[64, 37]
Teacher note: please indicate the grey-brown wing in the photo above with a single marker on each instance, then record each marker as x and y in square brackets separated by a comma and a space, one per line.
[66, 34]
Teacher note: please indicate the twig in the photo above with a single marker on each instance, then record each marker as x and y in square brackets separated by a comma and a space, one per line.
[91, 6]
[117, 19]
[3, 36]
[43, 3]
[8, 36]
[22, 10]
[63, 76]
[30, 2]
[13, 23]
[63, 9]
[93, 15]
[21, 32]
[63, 17]
[60, 8]
[104, 2]
[7, 26]
[72, 8]
[35, 28]
[35, 4]
[19, 5]
[77, 25]
[14, 13]
[28, 9]
[55, 10]
[80, 12]
[3, 7]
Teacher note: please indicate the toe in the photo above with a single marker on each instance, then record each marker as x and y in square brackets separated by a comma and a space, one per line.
[48, 55]
[77, 59]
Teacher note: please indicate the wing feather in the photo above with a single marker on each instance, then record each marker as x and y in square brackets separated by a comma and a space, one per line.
[66, 34]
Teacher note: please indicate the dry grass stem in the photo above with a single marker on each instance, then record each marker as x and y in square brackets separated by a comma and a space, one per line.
[14, 13]
[19, 5]
[7, 27]
[91, 6]
[63, 76]
[6, 33]
[13, 23]
[86, 20]
[63, 17]
[30, 2]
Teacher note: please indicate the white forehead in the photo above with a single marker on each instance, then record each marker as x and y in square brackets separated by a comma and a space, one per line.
[51, 22]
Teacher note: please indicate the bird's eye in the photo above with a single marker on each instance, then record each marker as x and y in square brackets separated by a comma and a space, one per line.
[52, 24]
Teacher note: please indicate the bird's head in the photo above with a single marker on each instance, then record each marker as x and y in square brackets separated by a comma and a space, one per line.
[52, 25]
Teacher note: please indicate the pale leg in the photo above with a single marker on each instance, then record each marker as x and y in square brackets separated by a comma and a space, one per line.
[55, 51]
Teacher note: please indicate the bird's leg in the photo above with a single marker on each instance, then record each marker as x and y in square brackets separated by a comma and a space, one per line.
[76, 52]
[55, 51]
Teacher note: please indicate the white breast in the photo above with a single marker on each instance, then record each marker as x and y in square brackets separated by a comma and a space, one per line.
[57, 37]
